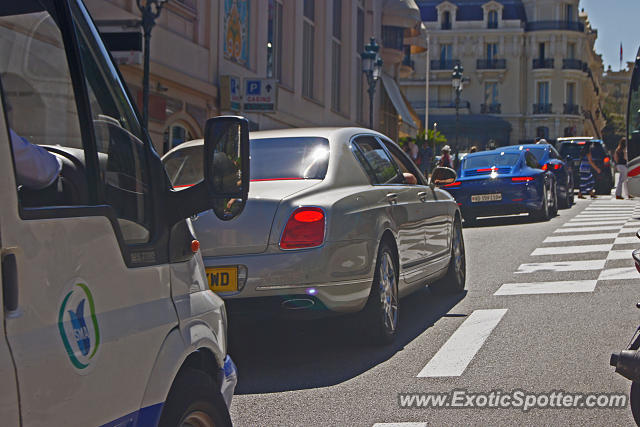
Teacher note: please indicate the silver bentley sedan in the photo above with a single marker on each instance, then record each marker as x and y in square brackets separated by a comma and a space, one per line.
[337, 220]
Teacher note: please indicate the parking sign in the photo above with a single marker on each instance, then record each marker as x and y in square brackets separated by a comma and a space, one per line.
[259, 95]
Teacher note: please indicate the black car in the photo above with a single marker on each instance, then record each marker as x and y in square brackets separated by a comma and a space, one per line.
[549, 159]
[570, 148]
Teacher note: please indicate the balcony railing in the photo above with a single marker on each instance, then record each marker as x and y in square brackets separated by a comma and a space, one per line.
[542, 109]
[392, 37]
[572, 109]
[555, 25]
[572, 64]
[491, 64]
[437, 64]
[491, 108]
[539, 63]
[448, 104]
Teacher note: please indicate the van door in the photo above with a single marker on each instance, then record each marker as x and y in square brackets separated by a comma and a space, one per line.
[9, 409]
[94, 287]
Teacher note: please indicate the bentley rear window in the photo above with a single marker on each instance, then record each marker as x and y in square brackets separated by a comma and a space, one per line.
[271, 159]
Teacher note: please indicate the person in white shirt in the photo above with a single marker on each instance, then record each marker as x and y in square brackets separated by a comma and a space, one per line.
[36, 168]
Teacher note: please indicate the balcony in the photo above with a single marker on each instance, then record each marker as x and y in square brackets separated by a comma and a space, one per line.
[572, 109]
[449, 104]
[555, 25]
[491, 108]
[542, 109]
[491, 64]
[572, 64]
[540, 63]
[437, 64]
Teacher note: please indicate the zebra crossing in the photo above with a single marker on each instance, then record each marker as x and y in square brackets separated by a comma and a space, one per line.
[603, 234]
[586, 234]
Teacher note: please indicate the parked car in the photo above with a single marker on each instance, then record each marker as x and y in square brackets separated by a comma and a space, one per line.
[333, 224]
[549, 159]
[503, 182]
[569, 149]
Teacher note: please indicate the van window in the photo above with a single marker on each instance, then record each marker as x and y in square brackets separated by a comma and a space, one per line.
[41, 106]
[121, 152]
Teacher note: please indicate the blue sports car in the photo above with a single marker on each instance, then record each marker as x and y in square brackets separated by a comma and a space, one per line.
[549, 159]
[504, 182]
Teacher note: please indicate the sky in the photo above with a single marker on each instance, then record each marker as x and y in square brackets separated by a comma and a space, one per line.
[616, 21]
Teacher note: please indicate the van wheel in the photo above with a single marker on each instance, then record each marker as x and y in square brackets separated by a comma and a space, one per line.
[382, 309]
[634, 400]
[454, 279]
[194, 400]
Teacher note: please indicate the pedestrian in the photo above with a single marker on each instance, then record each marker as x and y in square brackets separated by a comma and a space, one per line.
[427, 157]
[445, 158]
[620, 157]
[414, 152]
[473, 149]
[587, 166]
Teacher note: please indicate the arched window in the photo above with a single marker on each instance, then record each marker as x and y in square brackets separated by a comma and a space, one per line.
[492, 19]
[446, 20]
[176, 134]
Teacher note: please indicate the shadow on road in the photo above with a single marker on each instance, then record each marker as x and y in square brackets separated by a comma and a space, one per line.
[279, 355]
[502, 220]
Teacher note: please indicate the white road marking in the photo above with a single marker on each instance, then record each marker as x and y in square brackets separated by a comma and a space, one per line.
[608, 216]
[624, 273]
[563, 287]
[610, 208]
[580, 237]
[597, 264]
[619, 254]
[576, 222]
[579, 229]
[580, 249]
[400, 425]
[625, 240]
[456, 354]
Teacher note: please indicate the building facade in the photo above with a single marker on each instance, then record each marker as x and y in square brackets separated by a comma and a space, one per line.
[530, 70]
[203, 52]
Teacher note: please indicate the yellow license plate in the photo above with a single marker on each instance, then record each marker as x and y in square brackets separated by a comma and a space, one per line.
[223, 279]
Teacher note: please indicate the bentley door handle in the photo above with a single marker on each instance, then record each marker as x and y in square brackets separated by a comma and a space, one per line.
[392, 197]
[422, 195]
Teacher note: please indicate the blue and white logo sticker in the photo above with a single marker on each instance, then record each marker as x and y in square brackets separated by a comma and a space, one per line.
[78, 326]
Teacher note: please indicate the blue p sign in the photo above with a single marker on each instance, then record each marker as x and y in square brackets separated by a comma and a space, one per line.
[253, 87]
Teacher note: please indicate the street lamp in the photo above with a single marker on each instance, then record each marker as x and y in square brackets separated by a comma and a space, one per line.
[456, 82]
[371, 67]
[150, 10]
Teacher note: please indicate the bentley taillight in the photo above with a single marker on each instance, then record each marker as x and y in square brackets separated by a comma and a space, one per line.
[305, 229]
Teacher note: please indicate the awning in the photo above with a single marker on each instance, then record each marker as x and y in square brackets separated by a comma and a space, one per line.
[477, 128]
[401, 13]
[401, 107]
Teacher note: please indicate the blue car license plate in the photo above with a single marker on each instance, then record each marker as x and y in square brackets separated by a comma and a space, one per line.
[496, 197]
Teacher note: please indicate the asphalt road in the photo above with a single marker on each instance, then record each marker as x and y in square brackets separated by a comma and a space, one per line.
[323, 373]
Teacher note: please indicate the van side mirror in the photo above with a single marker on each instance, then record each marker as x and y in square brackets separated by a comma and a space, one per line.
[224, 186]
[442, 176]
[226, 167]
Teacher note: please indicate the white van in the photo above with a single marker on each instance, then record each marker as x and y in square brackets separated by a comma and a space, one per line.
[108, 319]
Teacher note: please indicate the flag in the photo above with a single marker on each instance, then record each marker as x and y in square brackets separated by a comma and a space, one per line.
[621, 55]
